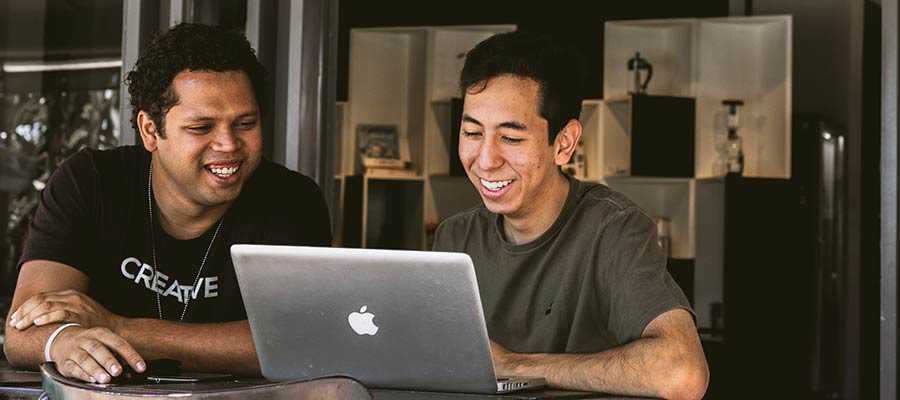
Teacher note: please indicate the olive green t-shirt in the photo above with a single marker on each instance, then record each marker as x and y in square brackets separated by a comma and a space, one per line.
[593, 281]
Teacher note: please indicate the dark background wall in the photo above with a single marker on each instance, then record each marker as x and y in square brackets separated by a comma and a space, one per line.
[837, 71]
[580, 22]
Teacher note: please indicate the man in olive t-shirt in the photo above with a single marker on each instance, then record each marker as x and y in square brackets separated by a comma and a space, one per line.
[591, 282]
[573, 283]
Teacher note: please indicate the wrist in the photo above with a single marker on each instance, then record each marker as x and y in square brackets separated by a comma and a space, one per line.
[117, 324]
[507, 362]
[514, 362]
[525, 364]
[121, 326]
[54, 337]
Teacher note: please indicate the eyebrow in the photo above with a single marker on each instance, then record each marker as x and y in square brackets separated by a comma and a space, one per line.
[199, 118]
[518, 126]
[203, 118]
[467, 118]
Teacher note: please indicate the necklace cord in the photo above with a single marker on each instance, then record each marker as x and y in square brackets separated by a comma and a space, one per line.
[187, 299]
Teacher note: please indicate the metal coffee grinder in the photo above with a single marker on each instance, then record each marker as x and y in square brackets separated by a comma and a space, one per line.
[638, 64]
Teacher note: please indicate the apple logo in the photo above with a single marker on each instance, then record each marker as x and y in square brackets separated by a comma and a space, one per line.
[361, 322]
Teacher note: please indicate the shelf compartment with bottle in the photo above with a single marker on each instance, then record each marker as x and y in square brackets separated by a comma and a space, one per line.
[746, 59]
[710, 60]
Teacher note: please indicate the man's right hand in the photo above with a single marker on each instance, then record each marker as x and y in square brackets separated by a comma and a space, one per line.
[88, 354]
[62, 306]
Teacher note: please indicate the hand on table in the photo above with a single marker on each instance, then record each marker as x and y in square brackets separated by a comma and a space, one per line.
[87, 354]
[63, 306]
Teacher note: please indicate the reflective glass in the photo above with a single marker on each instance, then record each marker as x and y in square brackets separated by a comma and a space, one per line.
[59, 93]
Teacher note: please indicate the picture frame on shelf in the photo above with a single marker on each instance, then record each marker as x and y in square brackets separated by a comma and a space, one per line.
[381, 146]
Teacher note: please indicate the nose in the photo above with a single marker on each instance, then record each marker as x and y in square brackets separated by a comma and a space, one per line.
[225, 140]
[489, 156]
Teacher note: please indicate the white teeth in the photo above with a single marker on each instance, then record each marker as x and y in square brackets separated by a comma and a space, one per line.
[224, 172]
[497, 185]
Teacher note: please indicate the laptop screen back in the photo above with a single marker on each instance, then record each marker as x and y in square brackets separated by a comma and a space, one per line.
[389, 318]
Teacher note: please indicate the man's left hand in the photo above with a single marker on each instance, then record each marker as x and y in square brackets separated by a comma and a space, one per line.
[63, 306]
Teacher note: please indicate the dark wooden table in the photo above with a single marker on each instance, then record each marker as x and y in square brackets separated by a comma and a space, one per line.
[16, 384]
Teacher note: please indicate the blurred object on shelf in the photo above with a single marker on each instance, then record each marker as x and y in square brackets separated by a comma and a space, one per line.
[664, 235]
[728, 124]
[638, 64]
[381, 147]
[732, 125]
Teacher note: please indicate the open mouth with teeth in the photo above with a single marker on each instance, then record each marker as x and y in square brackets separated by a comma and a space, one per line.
[495, 186]
[223, 170]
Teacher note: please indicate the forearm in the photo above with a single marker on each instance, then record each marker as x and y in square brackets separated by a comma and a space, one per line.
[644, 367]
[213, 347]
[25, 349]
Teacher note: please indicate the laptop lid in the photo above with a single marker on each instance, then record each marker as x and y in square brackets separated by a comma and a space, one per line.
[389, 318]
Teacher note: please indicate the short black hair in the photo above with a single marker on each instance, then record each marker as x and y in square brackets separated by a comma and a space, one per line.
[557, 67]
[189, 47]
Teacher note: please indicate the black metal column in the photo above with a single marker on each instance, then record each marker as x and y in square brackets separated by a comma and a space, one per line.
[305, 79]
[140, 21]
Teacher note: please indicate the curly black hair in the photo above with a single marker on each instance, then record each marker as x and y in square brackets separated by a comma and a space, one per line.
[189, 47]
[557, 67]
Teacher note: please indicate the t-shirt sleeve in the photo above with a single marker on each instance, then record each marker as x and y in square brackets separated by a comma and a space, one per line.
[634, 285]
[60, 229]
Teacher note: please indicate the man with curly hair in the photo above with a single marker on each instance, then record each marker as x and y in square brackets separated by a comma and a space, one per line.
[127, 258]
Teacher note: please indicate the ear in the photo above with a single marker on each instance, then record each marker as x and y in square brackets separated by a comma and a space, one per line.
[566, 142]
[148, 131]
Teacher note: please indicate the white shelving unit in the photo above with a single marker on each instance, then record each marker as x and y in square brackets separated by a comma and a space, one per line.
[747, 58]
[406, 77]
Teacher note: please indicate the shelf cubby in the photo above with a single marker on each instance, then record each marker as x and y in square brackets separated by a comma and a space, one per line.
[711, 60]
[406, 77]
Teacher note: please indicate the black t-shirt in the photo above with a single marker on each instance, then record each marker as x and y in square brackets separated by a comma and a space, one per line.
[93, 216]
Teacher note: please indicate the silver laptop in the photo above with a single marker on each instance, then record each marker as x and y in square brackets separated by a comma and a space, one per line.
[389, 318]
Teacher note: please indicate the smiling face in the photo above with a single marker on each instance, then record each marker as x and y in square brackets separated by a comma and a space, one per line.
[212, 142]
[504, 147]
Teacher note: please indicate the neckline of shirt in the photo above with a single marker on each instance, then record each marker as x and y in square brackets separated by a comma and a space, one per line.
[575, 186]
